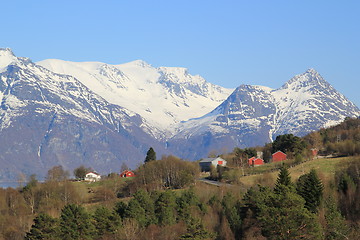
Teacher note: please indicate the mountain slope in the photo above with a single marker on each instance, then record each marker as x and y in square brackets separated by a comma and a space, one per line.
[48, 119]
[254, 115]
[164, 96]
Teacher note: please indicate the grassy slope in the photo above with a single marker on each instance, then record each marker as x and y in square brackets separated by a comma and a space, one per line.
[325, 168]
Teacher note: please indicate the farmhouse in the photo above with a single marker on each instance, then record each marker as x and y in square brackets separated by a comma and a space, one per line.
[127, 173]
[250, 161]
[92, 177]
[278, 156]
[255, 162]
[207, 162]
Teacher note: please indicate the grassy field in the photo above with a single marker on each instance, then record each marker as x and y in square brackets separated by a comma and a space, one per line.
[325, 167]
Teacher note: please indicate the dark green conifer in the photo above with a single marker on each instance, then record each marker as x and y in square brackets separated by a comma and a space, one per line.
[44, 227]
[75, 223]
[283, 179]
[150, 155]
[310, 187]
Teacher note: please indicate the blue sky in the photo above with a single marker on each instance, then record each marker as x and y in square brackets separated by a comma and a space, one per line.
[229, 43]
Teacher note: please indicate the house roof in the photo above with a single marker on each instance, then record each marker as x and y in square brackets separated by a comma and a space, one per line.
[278, 152]
[211, 159]
[93, 173]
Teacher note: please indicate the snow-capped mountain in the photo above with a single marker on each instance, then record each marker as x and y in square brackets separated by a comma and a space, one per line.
[64, 113]
[255, 115]
[164, 96]
[49, 119]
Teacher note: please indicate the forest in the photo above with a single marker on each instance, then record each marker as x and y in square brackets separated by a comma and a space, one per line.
[304, 198]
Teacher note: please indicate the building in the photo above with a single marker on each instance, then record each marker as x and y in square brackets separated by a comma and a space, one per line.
[314, 152]
[279, 156]
[255, 162]
[206, 163]
[250, 161]
[92, 177]
[127, 173]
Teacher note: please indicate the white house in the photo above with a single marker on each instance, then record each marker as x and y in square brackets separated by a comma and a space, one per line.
[92, 177]
[207, 162]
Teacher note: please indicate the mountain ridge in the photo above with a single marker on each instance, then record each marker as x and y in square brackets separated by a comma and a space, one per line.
[96, 114]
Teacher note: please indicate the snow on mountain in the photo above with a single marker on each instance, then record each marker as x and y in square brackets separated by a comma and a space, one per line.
[255, 115]
[164, 96]
[49, 119]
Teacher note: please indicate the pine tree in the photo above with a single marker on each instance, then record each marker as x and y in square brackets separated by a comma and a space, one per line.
[310, 187]
[136, 211]
[336, 226]
[44, 227]
[283, 179]
[147, 204]
[165, 208]
[75, 223]
[106, 221]
[196, 230]
[150, 155]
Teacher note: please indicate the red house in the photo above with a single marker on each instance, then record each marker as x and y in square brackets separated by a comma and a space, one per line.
[250, 161]
[314, 152]
[278, 156]
[255, 162]
[127, 173]
[258, 162]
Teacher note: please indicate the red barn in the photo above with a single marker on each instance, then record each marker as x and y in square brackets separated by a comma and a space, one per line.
[255, 161]
[127, 173]
[250, 161]
[314, 152]
[278, 156]
[258, 162]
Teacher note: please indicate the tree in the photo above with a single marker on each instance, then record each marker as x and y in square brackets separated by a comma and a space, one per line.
[80, 172]
[136, 211]
[147, 204]
[310, 187]
[288, 143]
[44, 227]
[150, 155]
[187, 203]
[75, 223]
[106, 221]
[165, 208]
[281, 214]
[196, 230]
[283, 178]
[336, 226]
[57, 174]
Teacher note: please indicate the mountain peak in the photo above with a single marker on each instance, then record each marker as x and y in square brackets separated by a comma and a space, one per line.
[311, 71]
[140, 63]
[310, 77]
[6, 57]
[6, 50]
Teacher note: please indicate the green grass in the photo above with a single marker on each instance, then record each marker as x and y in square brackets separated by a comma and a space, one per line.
[325, 167]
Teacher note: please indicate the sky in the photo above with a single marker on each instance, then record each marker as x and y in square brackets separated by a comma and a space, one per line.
[229, 43]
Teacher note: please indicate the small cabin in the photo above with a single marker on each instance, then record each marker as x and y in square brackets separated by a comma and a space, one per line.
[206, 163]
[92, 177]
[314, 152]
[279, 156]
[250, 161]
[256, 162]
[127, 173]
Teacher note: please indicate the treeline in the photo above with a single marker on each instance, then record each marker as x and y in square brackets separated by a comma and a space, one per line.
[155, 215]
[305, 209]
[18, 207]
[339, 140]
